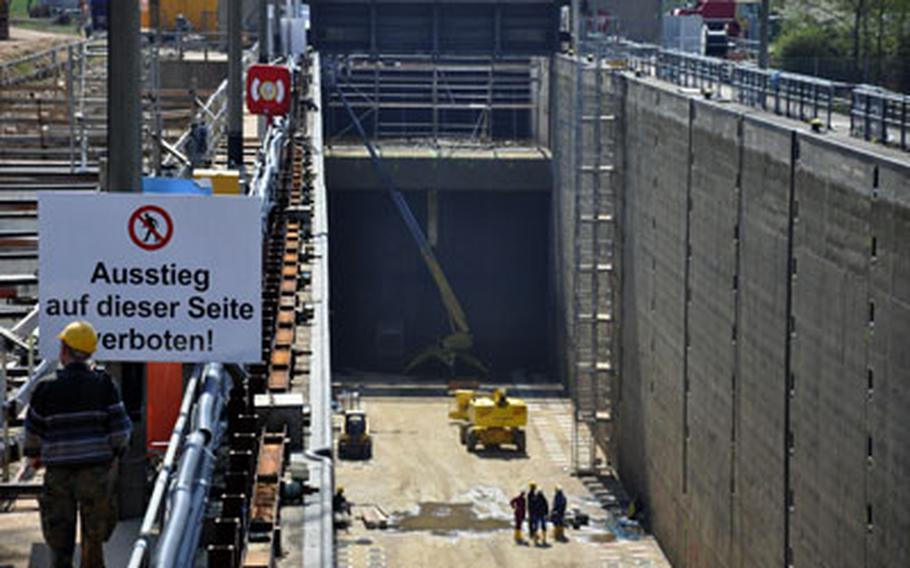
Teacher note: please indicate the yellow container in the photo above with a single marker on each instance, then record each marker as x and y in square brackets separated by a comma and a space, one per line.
[224, 182]
[202, 14]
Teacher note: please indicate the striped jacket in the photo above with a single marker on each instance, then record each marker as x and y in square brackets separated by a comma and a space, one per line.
[76, 418]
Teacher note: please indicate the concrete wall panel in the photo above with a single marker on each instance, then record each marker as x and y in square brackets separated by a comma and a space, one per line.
[831, 322]
[713, 217]
[656, 223]
[888, 390]
[761, 384]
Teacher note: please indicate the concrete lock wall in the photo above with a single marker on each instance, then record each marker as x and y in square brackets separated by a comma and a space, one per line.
[765, 309]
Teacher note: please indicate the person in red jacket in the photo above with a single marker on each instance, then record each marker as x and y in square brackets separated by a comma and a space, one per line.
[519, 508]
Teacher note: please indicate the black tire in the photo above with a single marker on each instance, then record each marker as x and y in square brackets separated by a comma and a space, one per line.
[342, 451]
[472, 441]
[368, 451]
[463, 434]
[521, 442]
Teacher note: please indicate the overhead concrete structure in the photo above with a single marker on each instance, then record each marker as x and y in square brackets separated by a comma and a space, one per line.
[474, 27]
[506, 169]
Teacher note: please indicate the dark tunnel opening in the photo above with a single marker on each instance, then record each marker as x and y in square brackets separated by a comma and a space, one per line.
[493, 249]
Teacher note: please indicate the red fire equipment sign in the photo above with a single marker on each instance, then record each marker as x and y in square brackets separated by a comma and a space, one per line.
[268, 90]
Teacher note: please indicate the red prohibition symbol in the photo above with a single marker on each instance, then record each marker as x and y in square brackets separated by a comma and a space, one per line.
[150, 227]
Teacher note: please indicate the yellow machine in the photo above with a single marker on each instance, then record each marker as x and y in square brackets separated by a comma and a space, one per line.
[463, 399]
[355, 441]
[202, 15]
[490, 420]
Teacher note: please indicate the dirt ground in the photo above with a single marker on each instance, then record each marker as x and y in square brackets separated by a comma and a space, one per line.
[450, 507]
[23, 41]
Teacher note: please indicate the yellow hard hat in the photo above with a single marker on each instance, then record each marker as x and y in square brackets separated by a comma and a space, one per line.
[81, 336]
[340, 489]
[532, 485]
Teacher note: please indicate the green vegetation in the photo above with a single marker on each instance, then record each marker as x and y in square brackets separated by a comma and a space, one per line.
[18, 13]
[847, 40]
[18, 9]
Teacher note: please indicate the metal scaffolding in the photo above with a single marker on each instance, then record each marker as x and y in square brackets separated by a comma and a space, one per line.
[424, 97]
[594, 337]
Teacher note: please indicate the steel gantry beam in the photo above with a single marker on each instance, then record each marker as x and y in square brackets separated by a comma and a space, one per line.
[529, 27]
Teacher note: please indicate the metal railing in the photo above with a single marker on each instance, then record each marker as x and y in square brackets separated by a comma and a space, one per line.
[268, 166]
[693, 71]
[170, 530]
[875, 114]
[786, 94]
[212, 115]
[880, 115]
[319, 534]
[37, 65]
[181, 488]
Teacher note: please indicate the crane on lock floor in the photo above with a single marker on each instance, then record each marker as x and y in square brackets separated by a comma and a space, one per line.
[458, 344]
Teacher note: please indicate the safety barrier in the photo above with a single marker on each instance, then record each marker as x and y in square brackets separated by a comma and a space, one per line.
[880, 115]
[319, 532]
[211, 118]
[787, 94]
[39, 64]
[876, 114]
[181, 487]
[694, 71]
[269, 165]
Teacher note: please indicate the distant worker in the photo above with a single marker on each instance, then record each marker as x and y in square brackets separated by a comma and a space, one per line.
[558, 516]
[519, 507]
[77, 427]
[340, 504]
[341, 510]
[532, 524]
[538, 508]
[636, 511]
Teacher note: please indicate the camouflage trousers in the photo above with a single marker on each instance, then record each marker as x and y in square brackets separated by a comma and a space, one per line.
[88, 490]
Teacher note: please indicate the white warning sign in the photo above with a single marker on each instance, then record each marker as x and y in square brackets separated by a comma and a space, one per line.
[161, 277]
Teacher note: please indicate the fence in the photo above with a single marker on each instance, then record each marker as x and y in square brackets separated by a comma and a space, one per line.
[38, 65]
[880, 115]
[875, 114]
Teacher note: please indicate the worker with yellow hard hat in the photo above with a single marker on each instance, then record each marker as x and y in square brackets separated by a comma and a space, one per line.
[76, 427]
[558, 516]
[538, 509]
[340, 502]
[533, 523]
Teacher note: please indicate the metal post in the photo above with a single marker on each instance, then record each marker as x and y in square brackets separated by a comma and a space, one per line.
[764, 11]
[903, 124]
[83, 141]
[235, 88]
[576, 26]
[263, 31]
[271, 20]
[71, 105]
[884, 119]
[124, 122]
[4, 409]
[155, 21]
[124, 174]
